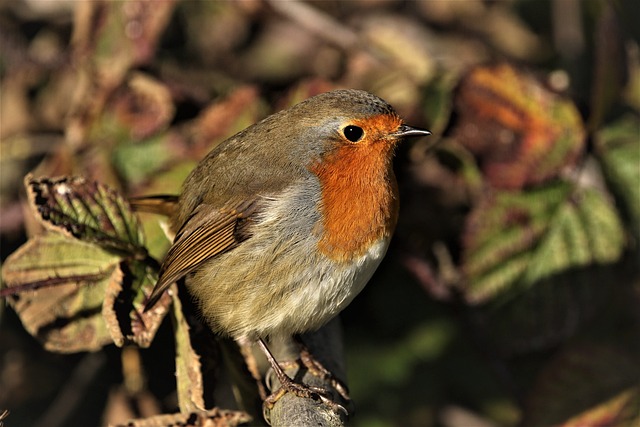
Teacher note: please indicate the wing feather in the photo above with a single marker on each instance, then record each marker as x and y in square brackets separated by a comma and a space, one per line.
[208, 232]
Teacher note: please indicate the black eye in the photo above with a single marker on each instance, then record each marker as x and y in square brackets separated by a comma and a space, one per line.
[353, 133]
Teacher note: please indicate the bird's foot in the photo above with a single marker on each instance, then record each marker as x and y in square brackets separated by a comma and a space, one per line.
[287, 385]
[317, 369]
[299, 389]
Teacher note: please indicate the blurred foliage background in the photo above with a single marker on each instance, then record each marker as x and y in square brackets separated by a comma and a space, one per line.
[511, 293]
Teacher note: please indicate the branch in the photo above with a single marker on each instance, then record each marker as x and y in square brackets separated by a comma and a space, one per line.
[326, 347]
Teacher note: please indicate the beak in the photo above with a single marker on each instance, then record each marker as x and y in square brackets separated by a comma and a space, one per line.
[406, 130]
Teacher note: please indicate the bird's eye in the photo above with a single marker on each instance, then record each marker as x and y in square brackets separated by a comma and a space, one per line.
[353, 133]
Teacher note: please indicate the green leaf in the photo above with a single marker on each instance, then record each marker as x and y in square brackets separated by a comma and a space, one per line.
[62, 282]
[138, 162]
[89, 211]
[513, 240]
[438, 102]
[618, 150]
[90, 216]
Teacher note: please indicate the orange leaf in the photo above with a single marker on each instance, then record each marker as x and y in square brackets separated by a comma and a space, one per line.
[522, 133]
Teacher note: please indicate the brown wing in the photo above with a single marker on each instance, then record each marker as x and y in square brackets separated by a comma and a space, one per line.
[208, 232]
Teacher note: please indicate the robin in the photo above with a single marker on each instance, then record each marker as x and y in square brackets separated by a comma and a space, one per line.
[280, 226]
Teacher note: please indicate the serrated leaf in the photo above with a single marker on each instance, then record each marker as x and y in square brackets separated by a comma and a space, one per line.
[63, 281]
[190, 386]
[512, 240]
[587, 385]
[522, 133]
[89, 211]
[618, 150]
[123, 307]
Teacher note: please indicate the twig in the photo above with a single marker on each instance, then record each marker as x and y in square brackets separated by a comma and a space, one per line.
[316, 22]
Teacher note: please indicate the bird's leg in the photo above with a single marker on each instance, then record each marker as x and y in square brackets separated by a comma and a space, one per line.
[316, 368]
[289, 385]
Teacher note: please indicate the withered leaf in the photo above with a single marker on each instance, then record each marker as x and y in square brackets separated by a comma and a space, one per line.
[116, 36]
[522, 133]
[124, 304]
[63, 281]
[89, 211]
[109, 39]
[143, 106]
[211, 418]
[188, 368]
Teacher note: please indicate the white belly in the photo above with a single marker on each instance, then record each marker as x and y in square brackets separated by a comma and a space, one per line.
[277, 282]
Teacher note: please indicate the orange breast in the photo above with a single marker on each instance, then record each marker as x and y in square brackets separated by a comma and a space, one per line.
[359, 198]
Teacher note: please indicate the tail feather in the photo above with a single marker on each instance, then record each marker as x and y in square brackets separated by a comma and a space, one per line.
[161, 204]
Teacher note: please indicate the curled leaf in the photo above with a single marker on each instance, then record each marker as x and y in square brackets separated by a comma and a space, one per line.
[109, 39]
[89, 211]
[116, 36]
[190, 386]
[123, 307]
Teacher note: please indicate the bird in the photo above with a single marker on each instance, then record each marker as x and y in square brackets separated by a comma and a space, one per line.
[280, 226]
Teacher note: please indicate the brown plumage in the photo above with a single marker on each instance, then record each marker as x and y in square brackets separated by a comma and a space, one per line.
[280, 227]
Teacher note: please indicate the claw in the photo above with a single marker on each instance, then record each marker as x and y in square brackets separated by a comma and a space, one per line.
[299, 389]
[316, 368]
